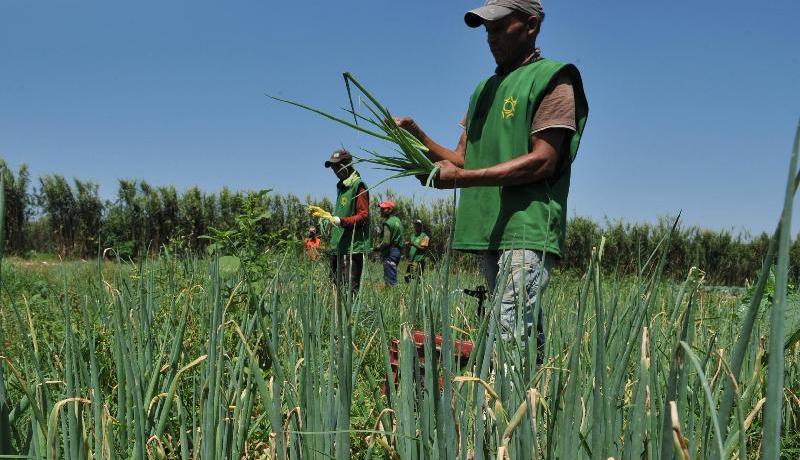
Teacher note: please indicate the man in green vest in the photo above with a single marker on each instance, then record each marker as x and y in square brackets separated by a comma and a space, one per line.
[391, 242]
[513, 160]
[350, 237]
[417, 250]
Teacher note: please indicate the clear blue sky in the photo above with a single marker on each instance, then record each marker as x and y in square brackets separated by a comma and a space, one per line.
[693, 105]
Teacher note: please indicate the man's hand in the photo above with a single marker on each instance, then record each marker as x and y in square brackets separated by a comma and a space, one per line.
[448, 177]
[435, 151]
[409, 125]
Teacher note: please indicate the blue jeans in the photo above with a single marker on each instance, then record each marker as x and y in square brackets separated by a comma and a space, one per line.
[391, 259]
[523, 266]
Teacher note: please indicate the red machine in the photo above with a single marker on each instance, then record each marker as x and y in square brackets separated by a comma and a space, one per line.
[461, 349]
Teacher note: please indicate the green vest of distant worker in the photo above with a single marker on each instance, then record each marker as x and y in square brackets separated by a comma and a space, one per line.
[418, 241]
[529, 216]
[395, 231]
[350, 240]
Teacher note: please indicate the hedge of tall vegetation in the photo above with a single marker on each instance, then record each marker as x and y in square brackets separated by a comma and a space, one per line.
[69, 218]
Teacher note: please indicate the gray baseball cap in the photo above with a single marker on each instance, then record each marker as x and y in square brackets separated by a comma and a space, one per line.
[493, 10]
[339, 156]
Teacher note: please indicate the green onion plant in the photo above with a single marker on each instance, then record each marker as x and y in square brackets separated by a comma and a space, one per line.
[409, 155]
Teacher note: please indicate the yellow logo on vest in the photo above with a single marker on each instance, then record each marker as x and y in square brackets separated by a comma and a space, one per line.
[344, 200]
[509, 107]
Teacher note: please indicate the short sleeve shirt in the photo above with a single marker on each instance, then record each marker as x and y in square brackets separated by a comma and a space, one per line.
[557, 109]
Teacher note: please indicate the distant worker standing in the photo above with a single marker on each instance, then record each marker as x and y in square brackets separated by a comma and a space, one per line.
[513, 160]
[312, 243]
[350, 237]
[417, 252]
[391, 242]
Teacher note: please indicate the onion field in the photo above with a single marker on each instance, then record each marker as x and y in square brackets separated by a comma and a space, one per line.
[193, 357]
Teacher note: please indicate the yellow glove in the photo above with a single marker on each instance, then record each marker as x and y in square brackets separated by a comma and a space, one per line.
[321, 214]
[318, 212]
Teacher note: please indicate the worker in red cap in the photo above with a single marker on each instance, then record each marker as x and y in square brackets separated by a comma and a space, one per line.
[350, 237]
[391, 242]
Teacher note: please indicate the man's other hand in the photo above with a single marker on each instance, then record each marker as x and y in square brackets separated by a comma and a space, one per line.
[449, 175]
[446, 178]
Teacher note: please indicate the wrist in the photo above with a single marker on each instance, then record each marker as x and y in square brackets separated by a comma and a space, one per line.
[423, 138]
[466, 177]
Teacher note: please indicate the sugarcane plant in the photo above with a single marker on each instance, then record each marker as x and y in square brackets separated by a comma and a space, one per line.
[409, 157]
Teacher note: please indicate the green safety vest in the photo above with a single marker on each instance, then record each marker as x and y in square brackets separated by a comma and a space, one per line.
[395, 231]
[529, 216]
[350, 240]
[416, 240]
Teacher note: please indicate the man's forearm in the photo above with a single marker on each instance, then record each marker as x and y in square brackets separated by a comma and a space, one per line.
[362, 211]
[360, 217]
[538, 165]
[438, 152]
[524, 169]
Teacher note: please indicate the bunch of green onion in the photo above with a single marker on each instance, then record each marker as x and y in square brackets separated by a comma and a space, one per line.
[409, 158]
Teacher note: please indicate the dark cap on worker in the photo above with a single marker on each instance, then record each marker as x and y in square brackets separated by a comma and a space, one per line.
[493, 10]
[339, 156]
